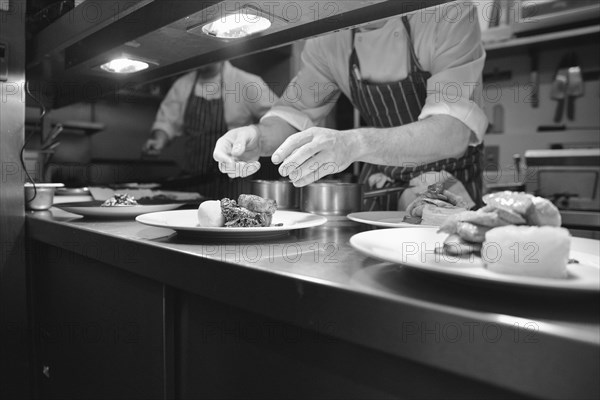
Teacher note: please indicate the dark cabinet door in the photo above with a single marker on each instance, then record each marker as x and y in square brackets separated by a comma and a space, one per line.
[99, 330]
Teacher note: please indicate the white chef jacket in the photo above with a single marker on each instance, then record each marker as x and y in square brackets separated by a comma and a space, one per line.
[246, 98]
[447, 41]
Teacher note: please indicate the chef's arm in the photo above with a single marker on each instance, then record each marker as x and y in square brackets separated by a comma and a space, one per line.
[431, 139]
[272, 133]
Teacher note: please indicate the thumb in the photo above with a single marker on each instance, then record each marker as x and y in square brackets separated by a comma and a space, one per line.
[244, 137]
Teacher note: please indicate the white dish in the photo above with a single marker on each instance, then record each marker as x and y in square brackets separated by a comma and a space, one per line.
[186, 221]
[384, 219]
[416, 248]
[93, 209]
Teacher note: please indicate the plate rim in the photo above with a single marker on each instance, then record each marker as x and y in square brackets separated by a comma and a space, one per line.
[79, 208]
[319, 220]
[356, 218]
[502, 279]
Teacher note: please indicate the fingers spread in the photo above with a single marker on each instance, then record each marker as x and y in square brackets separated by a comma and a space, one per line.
[290, 145]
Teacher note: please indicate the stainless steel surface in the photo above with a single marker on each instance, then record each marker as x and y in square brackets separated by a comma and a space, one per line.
[314, 276]
[331, 198]
[283, 192]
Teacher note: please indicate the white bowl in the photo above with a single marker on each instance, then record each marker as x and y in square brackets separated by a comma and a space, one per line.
[41, 196]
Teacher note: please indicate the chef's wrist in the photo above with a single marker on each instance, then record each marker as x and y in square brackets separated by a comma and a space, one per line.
[358, 143]
[161, 136]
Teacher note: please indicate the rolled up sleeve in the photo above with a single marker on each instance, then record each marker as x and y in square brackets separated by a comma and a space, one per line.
[455, 87]
[312, 94]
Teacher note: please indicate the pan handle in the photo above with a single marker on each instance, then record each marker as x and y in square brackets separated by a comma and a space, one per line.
[382, 192]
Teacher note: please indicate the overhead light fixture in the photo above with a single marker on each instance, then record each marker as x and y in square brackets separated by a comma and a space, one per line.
[124, 65]
[244, 22]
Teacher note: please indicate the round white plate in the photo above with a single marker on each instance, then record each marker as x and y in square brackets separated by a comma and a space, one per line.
[93, 209]
[383, 219]
[416, 248]
[186, 221]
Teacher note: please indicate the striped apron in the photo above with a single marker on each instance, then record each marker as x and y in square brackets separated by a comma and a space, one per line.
[204, 123]
[385, 105]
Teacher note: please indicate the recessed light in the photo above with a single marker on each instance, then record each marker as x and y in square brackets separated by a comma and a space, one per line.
[243, 23]
[124, 66]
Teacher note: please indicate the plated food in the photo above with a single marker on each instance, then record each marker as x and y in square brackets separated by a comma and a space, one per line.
[119, 200]
[248, 211]
[433, 206]
[515, 233]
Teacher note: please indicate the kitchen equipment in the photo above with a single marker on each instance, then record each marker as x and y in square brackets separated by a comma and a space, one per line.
[53, 135]
[569, 177]
[574, 87]
[534, 16]
[40, 196]
[559, 88]
[334, 198]
[283, 192]
[535, 79]
[497, 125]
[331, 198]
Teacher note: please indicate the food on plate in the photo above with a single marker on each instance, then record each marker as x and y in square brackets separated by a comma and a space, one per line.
[538, 251]
[516, 233]
[247, 211]
[257, 204]
[210, 215]
[119, 200]
[433, 206]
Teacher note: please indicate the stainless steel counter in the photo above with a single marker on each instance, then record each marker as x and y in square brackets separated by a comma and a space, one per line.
[539, 343]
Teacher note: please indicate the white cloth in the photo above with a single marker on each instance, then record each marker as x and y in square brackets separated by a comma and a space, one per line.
[420, 183]
[246, 98]
[447, 41]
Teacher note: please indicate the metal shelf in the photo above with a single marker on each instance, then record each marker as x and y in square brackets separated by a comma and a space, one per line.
[541, 38]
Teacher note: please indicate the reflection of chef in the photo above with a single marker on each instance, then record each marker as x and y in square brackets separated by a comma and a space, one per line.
[202, 106]
[416, 81]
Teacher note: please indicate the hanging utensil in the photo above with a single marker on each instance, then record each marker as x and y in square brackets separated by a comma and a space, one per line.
[574, 87]
[559, 88]
[58, 128]
[535, 79]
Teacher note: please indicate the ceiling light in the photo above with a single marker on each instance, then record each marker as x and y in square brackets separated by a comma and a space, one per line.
[124, 66]
[235, 26]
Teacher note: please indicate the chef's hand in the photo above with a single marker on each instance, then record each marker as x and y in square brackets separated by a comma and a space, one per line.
[155, 145]
[308, 156]
[237, 152]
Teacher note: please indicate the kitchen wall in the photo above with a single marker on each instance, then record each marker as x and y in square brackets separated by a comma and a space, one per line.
[507, 86]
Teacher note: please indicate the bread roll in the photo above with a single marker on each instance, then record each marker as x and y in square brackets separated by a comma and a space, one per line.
[210, 215]
[527, 250]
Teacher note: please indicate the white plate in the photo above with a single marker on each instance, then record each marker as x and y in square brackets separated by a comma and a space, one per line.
[384, 219]
[93, 209]
[186, 221]
[416, 248]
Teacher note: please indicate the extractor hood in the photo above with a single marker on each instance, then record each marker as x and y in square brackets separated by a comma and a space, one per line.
[166, 34]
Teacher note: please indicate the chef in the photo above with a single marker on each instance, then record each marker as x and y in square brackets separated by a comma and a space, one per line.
[201, 106]
[416, 81]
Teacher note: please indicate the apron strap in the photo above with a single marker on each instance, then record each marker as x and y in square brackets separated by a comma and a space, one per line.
[414, 60]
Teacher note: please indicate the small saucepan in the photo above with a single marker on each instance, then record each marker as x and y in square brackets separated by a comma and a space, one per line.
[283, 192]
[332, 198]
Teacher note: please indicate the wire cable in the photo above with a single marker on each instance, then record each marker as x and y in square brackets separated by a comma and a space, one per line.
[43, 113]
